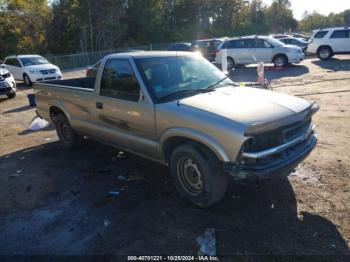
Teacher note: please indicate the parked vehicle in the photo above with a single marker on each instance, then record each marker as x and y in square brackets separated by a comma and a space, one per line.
[180, 110]
[32, 68]
[299, 36]
[295, 41]
[279, 36]
[330, 41]
[7, 83]
[254, 49]
[180, 47]
[91, 71]
[207, 47]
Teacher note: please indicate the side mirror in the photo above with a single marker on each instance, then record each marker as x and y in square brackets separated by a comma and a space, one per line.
[2, 66]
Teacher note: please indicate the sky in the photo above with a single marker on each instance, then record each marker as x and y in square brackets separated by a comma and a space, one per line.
[321, 6]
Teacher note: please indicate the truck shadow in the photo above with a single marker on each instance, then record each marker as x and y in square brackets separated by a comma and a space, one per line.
[60, 204]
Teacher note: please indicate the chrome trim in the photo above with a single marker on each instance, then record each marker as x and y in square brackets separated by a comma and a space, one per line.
[280, 148]
[66, 87]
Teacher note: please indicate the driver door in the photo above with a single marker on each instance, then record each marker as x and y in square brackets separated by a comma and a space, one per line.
[126, 117]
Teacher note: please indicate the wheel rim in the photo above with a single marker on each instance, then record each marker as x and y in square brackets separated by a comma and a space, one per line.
[279, 61]
[190, 176]
[324, 53]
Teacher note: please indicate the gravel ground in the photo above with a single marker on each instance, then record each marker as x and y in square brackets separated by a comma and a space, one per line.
[55, 201]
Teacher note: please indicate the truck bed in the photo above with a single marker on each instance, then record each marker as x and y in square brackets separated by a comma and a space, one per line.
[84, 82]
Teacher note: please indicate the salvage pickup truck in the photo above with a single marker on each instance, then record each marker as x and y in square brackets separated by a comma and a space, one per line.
[178, 109]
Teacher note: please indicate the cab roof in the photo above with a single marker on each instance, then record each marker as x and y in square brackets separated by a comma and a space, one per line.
[150, 54]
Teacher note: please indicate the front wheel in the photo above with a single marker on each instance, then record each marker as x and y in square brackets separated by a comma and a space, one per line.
[280, 61]
[197, 175]
[68, 137]
[27, 80]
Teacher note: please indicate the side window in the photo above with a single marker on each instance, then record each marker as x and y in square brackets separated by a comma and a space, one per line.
[267, 44]
[118, 81]
[340, 34]
[228, 45]
[249, 43]
[259, 43]
[13, 62]
[10, 62]
[238, 44]
[320, 34]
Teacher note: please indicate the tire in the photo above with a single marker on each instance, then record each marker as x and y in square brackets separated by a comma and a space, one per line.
[197, 176]
[280, 61]
[27, 80]
[230, 63]
[324, 53]
[12, 95]
[68, 137]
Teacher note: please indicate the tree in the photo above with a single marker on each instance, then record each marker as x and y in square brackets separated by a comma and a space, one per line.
[280, 16]
[22, 26]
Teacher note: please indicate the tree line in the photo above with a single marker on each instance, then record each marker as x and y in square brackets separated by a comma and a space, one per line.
[71, 26]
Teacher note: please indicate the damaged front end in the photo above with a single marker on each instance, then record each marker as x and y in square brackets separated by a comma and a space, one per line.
[275, 148]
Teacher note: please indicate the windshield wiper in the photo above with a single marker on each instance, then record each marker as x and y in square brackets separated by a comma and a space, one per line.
[209, 88]
[212, 86]
[168, 96]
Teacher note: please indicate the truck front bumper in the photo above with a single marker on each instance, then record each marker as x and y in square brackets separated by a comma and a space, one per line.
[274, 162]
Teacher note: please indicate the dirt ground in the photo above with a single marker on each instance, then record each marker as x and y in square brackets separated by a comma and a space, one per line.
[54, 201]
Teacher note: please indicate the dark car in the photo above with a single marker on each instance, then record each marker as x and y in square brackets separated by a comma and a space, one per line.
[180, 47]
[207, 47]
[295, 41]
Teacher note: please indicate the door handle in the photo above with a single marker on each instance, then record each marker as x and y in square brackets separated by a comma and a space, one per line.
[99, 105]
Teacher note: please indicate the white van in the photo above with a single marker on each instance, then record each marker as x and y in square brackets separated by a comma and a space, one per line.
[255, 49]
[32, 68]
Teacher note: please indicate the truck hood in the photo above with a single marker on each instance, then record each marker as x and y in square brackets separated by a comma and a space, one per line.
[248, 106]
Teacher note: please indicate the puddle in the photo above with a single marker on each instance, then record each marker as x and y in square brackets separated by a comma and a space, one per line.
[306, 174]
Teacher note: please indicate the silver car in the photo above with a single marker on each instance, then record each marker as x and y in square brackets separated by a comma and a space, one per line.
[255, 49]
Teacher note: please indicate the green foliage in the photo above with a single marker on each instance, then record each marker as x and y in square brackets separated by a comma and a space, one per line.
[70, 26]
[316, 20]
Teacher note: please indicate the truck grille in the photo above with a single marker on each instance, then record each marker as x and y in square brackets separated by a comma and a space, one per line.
[49, 71]
[3, 84]
[277, 137]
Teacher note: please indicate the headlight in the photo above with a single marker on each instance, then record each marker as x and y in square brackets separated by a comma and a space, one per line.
[6, 75]
[34, 72]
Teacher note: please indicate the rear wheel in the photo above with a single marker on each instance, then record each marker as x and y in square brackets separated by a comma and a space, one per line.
[27, 80]
[230, 63]
[197, 175]
[324, 53]
[280, 61]
[68, 137]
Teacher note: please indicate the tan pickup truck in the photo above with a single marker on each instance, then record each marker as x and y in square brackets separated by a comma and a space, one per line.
[178, 109]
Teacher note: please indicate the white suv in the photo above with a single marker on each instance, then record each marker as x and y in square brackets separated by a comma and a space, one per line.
[32, 68]
[330, 41]
[255, 49]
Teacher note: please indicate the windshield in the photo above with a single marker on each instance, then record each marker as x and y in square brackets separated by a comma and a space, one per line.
[35, 60]
[275, 42]
[164, 76]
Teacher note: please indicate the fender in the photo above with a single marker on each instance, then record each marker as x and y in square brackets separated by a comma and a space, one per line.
[61, 106]
[195, 135]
